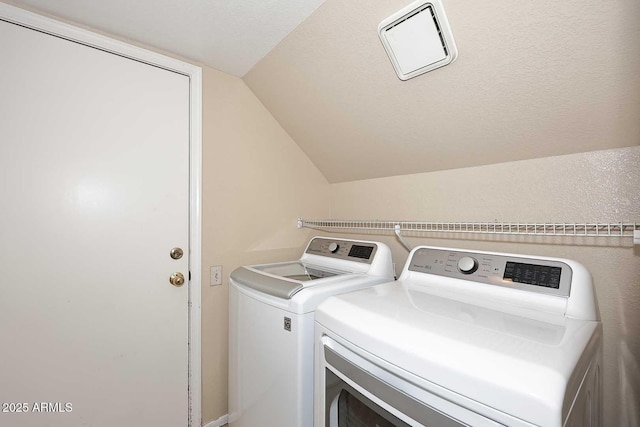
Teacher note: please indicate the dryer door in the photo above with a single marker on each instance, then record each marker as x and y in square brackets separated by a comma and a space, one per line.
[348, 404]
[359, 392]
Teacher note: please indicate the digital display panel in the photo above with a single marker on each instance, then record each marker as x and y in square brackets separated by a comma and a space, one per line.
[363, 252]
[531, 274]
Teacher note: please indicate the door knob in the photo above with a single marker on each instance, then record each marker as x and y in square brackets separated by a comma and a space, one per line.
[177, 279]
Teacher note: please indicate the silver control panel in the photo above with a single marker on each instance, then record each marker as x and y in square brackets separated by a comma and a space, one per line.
[530, 274]
[342, 249]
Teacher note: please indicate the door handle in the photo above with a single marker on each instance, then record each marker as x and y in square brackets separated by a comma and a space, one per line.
[176, 279]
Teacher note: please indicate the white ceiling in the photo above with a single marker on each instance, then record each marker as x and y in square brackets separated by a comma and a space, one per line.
[229, 35]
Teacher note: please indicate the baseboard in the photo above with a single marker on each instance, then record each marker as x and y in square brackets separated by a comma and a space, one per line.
[219, 422]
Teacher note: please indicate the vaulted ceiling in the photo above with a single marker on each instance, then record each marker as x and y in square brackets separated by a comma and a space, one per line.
[532, 79]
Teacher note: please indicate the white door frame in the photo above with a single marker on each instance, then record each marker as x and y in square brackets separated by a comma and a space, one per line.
[69, 32]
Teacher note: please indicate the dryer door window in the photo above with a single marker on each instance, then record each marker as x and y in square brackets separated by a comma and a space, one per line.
[348, 407]
[366, 400]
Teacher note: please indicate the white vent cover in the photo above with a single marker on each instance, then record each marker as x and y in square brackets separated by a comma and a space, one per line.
[418, 38]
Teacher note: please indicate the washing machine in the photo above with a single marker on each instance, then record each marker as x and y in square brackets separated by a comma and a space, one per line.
[463, 338]
[271, 333]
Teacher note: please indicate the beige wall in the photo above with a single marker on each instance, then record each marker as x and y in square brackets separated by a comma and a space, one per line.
[256, 182]
[597, 186]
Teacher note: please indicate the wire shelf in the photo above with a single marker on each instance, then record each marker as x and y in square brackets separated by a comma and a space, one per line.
[594, 229]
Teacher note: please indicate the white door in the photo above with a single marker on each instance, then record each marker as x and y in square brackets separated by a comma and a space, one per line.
[94, 186]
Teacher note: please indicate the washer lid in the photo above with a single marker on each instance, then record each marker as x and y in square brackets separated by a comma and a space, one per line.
[297, 271]
[526, 366]
[282, 280]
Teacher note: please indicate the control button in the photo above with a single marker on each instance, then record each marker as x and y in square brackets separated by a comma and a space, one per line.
[333, 247]
[467, 265]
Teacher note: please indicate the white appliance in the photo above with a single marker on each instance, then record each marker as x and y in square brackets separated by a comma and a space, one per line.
[463, 338]
[271, 331]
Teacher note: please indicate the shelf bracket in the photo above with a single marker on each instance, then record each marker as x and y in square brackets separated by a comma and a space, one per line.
[396, 230]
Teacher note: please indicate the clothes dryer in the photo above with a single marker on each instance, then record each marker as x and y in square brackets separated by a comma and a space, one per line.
[271, 309]
[463, 338]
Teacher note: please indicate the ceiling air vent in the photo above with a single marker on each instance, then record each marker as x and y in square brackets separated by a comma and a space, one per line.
[418, 38]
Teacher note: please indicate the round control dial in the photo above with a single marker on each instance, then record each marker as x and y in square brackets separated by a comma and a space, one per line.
[333, 247]
[467, 265]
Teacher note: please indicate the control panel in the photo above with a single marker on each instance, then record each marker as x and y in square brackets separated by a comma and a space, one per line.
[530, 274]
[342, 249]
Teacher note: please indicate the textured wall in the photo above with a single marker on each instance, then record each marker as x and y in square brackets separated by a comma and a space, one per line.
[598, 186]
[256, 182]
[532, 80]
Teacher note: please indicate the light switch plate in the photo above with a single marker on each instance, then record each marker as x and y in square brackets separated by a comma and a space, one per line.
[216, 275]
